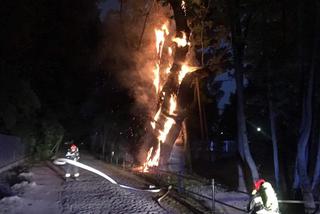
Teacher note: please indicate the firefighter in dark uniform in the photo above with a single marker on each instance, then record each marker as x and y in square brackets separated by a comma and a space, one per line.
[72, 154]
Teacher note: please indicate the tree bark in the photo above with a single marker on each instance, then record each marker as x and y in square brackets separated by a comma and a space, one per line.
[306, 124]
[316, 174]
[171, 86]
[237, 45]
[274, 144]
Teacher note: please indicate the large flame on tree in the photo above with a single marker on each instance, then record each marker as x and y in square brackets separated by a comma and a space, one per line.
[161, 129]
[160, 39]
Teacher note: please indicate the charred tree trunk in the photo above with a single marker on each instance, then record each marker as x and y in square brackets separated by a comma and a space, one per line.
[237, 45]
[186, 149]
[171, 86]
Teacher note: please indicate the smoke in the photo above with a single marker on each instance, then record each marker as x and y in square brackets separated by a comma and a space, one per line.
[130, 60]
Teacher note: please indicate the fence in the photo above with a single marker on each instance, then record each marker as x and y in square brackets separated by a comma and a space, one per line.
[181, 182]
[11, 150]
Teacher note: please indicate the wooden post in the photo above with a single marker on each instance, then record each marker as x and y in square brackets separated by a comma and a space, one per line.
[112, 154]
[180, 185]
[213, 197]
[205, 125]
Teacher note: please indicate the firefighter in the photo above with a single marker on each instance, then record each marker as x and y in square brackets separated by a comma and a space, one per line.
[72, 154]
[264, 199]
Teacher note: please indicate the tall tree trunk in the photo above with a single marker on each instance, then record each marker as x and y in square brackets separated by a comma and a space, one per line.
[303, 142]
[316, 174]
[199, 108]
[272, 116]
[202, 43]
[187, 151]
[241, 178]
[171, 86]
[305, 128]
[316, 139]
[237, 45]
[274, 144]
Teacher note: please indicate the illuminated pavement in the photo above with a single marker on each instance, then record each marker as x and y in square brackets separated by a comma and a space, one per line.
[44, 191]
[93, 194]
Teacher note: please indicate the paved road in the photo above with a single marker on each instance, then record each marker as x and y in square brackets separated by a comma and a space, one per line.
[46, 192]
[94, 194]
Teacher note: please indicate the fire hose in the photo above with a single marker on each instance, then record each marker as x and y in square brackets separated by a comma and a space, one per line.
[63, 161]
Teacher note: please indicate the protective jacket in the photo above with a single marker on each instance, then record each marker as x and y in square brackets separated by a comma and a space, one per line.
[264, 199]
[73, 155]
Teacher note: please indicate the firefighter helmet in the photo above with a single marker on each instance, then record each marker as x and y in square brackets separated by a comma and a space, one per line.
[73, 147]
[258, 184]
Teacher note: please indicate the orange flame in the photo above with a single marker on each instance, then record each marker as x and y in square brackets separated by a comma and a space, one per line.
[159, 41]
[160, 38]
[185, 69]
[165, 28]
[156, 80]
[181, 42]
[173, 104]
[153, 157]
[155, 119]
[170, 51]
[151, 162]
[154, 161]
[169, 121]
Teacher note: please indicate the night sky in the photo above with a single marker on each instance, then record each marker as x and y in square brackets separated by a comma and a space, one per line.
[75, 70]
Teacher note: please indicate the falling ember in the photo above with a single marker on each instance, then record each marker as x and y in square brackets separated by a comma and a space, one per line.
[183, 7]
[181, 42]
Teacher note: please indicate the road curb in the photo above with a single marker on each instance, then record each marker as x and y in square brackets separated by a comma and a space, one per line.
[12, 165]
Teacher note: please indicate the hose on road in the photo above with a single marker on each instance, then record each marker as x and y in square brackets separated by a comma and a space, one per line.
[63, 161]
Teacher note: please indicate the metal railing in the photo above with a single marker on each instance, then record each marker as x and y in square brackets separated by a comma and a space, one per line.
[181, 189]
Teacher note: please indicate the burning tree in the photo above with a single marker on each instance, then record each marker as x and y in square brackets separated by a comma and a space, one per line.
[151, 57]
[167, 121]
